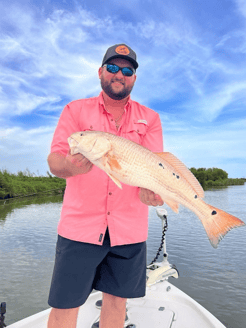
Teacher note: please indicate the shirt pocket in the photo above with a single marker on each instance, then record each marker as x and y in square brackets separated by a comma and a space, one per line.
[91, 127]
[136, 131]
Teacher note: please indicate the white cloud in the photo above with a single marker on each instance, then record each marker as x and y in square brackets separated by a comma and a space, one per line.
[210, 105]
[215, 145]
[10, 46]
[25, 139]
[233, 42]
[21, 149]
[23, 103]
[241, 4]
[179, 61]
[47, 59]
[58, 57]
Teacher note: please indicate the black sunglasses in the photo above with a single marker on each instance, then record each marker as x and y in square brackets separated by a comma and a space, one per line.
[126, 71]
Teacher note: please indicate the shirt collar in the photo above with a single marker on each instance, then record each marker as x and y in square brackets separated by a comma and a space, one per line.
[102, 105]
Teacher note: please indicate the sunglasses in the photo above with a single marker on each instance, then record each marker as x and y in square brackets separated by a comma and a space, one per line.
[126, 71]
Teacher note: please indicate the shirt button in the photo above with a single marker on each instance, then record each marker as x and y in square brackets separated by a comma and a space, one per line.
[111, 120]
[110, 193]
[108, 213]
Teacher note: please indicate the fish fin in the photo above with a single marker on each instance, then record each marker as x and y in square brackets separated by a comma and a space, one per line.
[172, 204]
[110, 164]
[116, 181]
[183, 171]
[218, 224]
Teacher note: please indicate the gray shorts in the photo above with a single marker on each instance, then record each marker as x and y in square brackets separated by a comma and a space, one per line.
[81, 267]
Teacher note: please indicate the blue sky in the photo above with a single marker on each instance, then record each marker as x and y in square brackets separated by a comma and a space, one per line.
[192, 71]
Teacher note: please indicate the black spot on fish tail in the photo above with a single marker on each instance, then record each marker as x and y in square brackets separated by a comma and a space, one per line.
[195, 196]
[177, 176]
[173, 173]
[161, 165]
[214, 212]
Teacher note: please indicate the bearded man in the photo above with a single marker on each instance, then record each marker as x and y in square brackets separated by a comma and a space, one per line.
[103, 230]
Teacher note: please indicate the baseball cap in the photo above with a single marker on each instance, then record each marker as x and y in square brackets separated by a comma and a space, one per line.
[121, 51]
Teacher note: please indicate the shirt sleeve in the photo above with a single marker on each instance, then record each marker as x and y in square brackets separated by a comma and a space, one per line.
[153, 139]
[67, 125]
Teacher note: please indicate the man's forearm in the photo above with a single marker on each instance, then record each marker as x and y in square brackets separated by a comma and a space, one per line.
[68, 166]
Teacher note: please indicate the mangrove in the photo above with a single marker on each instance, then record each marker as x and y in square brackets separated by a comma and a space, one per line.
[28, 184]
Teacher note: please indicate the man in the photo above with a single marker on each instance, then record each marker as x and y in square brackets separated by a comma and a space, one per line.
[103, 230]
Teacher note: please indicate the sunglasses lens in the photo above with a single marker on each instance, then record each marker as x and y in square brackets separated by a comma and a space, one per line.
[126, 71]
[112, 68]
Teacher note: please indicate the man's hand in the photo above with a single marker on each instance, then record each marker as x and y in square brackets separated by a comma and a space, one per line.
[81, 162]
[148, 197]
[68, 166]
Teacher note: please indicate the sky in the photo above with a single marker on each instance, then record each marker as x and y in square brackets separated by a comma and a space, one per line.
[192, 71]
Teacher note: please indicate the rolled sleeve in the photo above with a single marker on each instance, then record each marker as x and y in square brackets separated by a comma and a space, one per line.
[65, 127]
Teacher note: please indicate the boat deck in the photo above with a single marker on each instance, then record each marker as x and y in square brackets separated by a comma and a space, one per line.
[164, 306]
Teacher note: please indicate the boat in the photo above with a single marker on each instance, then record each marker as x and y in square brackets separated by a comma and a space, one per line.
[163, 306]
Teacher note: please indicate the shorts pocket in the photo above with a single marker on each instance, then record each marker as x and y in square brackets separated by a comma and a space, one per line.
[62, 244]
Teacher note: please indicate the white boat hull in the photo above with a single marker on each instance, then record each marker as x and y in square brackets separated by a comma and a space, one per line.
[164, 306]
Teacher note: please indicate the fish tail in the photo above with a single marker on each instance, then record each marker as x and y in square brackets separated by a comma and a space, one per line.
[218, 224]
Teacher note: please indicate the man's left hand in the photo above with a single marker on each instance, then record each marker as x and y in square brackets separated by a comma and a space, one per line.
[149, 198]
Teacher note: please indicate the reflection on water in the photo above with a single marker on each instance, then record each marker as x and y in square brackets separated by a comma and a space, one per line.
[8, 205]
[214, 277]
[27, 245]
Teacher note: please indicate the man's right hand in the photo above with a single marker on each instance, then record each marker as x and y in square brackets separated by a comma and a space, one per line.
[68, 166]
[149, 198]
[80, 161]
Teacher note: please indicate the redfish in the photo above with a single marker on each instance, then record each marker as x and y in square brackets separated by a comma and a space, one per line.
[164, 174]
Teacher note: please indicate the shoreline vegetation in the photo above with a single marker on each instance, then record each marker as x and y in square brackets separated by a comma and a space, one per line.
[214, 177]
[24, 184]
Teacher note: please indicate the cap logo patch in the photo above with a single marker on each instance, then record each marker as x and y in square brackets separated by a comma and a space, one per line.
[122, 50]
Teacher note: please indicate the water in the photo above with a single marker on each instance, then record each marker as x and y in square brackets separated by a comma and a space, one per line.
[213, 277]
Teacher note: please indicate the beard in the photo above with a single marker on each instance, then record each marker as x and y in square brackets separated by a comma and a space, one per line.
[116, 95]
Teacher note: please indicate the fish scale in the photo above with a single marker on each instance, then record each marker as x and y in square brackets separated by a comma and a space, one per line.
[130, 163]
[133, 162]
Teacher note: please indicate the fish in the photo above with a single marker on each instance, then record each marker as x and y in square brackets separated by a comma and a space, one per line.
[125, 161]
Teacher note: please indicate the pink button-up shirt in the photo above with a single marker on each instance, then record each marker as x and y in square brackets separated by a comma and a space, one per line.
[92, 201]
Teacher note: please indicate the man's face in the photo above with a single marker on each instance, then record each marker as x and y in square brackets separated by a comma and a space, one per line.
[117, 86]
